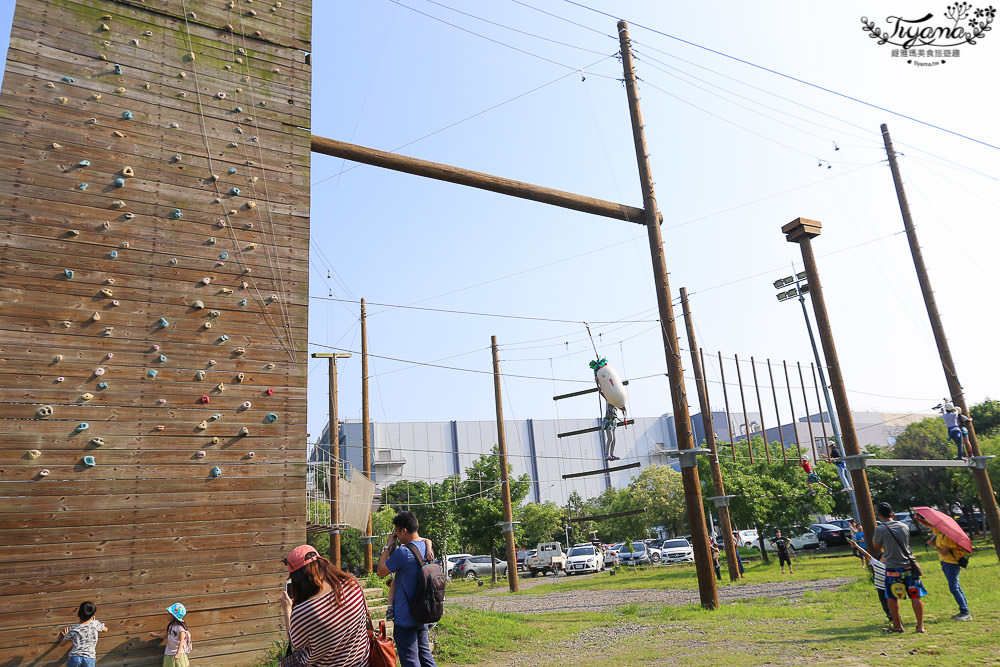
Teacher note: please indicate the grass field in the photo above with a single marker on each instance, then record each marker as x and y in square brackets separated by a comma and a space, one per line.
[842, 626]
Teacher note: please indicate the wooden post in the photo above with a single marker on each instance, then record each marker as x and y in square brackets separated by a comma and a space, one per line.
[333, 486]
[777, 414]
[508, 512]
[805, 402]
[822, 420]
[987, 499]
[725, 396]
[760, 407]
[791, 407]
[743, 401]
[366, 443]
[706, 420]
[682, 420]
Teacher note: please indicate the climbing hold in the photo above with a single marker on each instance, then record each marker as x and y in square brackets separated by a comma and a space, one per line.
[82, 426]
[250, 455]
[121, 91]
[68, 79]
[102, 385]
[251, 204]
[273, 298]
[33, 454]
[200, 375]
[66, 324]
[224, 255]
[89, 461]
[269, 391]
[234, 191]
[221, 387]
[205, 399]
[60, 379]
[163, 358]
[44, 411]
[220, 224]
[118, 203]
[97, 442]
[207, 325]
[240, 377]
[160, 427]
[56, 146]
[99, 371]
[93, 121]
[214, 177]
[120, 182]
[43, 473]
[176, 157]
[243, 302]
[244, 431]
[128, 216]
[176, 214]
[108, 330]
[247, 405]
[247, 269]
[214, 313]
[223, 338]
[172, 261]
[105, 27]
[128, 171]
[216, 440]
[174, 125]
[162, 323]
[182, 75]
[206, 281]
[240, 351]
[270, 366]
[152, 372]
[115, 303]
[225, 290]
[123, 244]
[238, 129]
[198, 304]
[83, 163]
[68, 273]
[127, 115]
[118, 69]
[154, 348]
[200, 454]
[56, 359]
[215, 472]
[62, 100]
[106, 224]
[212, 362]
[251, 246]
[135, 42]
[233, 144]
[81, 186]
[95, 317]
[96, 97]
[221, 95]
[190, 54]
[216, 416]
[113, 254]
[161, 401]
[87, 396]
[271, 418]
[251, 13]
[50, 85]
[202, 426]
[109, 355]
[232, 170]
[119, 134]
[106, 292]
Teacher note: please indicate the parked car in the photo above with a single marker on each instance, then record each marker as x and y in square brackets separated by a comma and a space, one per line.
[453, 561]
[677, 551]
[474, 567]
[584, 558]
[747, 538]
[828, 534]
[800, 538]
[907, 518]
[548, 557]
[638, 556]
[843, 524]
[611, 554]
[522, 556]
[977, 522]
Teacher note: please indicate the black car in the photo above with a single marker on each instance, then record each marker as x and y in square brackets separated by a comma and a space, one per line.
[829, 535]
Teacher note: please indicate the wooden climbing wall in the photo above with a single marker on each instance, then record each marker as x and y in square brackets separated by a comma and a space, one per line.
[154, 238]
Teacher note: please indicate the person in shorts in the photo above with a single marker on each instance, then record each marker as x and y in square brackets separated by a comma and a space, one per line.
[784, 548]
[811, 476]
[893, 537]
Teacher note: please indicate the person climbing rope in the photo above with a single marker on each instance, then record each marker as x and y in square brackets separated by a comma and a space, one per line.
[950, 416]
[810, 475]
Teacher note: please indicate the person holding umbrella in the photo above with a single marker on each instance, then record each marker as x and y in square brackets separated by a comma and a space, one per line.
[952, 545]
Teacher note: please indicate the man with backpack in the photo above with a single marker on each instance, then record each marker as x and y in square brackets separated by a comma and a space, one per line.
[418, 597]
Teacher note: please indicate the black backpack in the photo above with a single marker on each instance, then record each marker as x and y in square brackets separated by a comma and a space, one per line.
[427, 604]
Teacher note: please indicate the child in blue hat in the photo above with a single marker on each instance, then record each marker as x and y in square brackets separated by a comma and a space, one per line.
[178, 638]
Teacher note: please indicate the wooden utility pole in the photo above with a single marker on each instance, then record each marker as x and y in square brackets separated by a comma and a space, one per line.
[682, 419]
[366, 442]
[760, 407]
[743, 402]
[508, 512]
[777, 414]
[802, 231]
[986, 497]
[725, 397]
[333, 484]
[722, 501]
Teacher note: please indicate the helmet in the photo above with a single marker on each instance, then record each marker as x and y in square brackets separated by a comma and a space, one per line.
[804, 457]
[949, 407]
[177, 610]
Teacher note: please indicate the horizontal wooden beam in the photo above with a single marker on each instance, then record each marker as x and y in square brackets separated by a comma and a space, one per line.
[601, 517]
[918, 463]
[592, 429]
[477, 179]
[602, 470]
[580, 393]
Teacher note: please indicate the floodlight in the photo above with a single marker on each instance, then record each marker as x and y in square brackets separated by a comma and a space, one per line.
[801, 275]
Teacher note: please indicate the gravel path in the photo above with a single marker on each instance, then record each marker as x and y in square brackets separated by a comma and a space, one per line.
[603, 600]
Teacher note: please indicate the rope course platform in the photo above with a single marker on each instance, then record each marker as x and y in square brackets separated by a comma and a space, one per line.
[862, 461]
[601, 471]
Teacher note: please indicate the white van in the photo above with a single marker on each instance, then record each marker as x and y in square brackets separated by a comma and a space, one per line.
[748, 538]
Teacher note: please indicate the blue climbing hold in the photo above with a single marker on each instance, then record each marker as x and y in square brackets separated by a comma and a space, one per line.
[89, 461]
[243, 302]
[113, 254]
[163, 358]
[68, 273]
[120, 182]
[82, 186]
[118, 69]
[271, 418]
[232, 170]
[176, 214]
[82, 426]
[216, 416]
[224, 255]
[127, 115]
[152, 372]
[223, 338]
[102, 385]
[68, 79]
[83, 163]
[162, 323]
[215, 472]
[234, 191]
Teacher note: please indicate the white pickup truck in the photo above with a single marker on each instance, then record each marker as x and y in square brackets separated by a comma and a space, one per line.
[549, 557]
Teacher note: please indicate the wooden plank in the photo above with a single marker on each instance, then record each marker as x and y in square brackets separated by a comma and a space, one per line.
[150, 498]
[580, 393]
[88, 520]
[131, 486]
[592, 429]
[602, 470]
[918, 463]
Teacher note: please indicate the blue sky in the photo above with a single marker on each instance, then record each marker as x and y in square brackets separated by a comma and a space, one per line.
[736, 152]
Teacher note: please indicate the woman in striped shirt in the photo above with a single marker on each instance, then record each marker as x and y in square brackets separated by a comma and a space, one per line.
[326, 616]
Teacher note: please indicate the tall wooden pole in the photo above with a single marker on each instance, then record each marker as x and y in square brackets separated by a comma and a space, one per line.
[809, 421]
[743, 402]
[777, 414]
[508, 512]
[682, 419]
[725, 396]
[760, 407]
[986, 497]
[791, 407]
[802, 231]
[706, 420]
[366, 441]
[333, 485]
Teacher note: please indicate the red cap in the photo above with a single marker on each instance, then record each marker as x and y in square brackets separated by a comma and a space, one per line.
[299, 556]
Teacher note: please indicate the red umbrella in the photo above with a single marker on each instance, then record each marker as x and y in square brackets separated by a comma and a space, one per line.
[946, 525]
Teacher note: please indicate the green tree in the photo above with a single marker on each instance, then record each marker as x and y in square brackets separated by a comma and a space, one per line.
[986, 418]
[926, 439]
[540, 523]
[660, 489]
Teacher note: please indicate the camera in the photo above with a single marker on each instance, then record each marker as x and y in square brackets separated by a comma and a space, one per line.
[288, 587]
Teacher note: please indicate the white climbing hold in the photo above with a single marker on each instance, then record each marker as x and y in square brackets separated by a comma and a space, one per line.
[55, 146]
[120, 135]
[200, 375]
[206, 281]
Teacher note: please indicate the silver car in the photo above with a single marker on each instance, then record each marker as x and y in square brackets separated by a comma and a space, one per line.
[474, 567]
